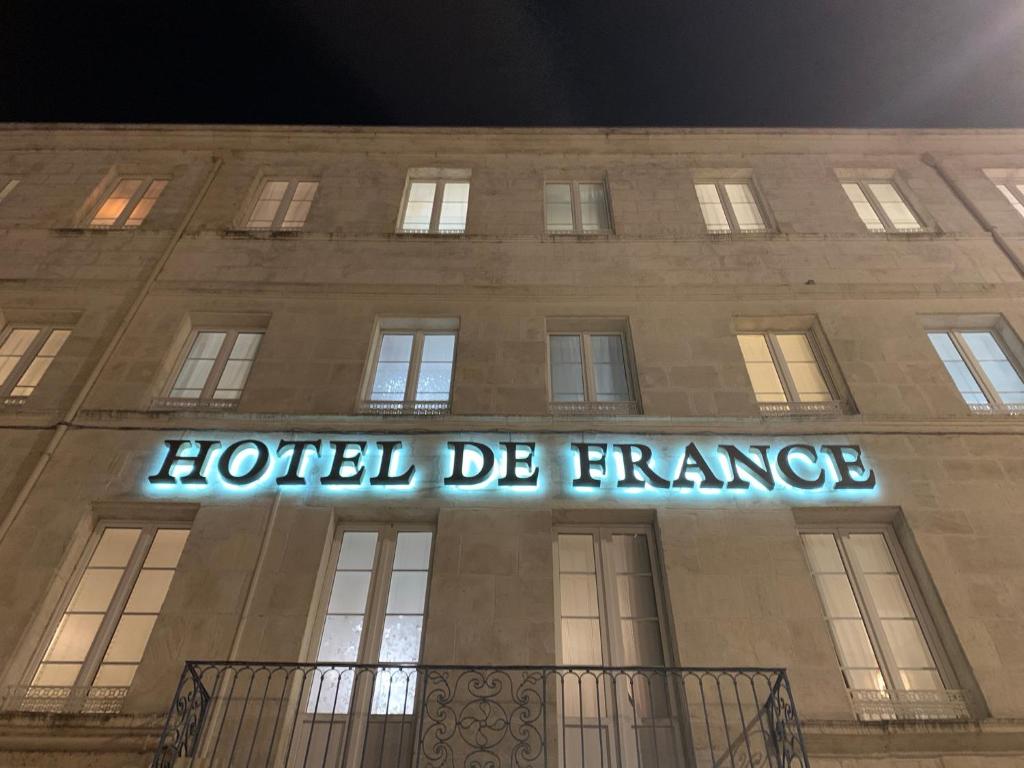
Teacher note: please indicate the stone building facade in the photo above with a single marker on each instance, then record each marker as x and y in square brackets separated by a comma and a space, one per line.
[751, 399]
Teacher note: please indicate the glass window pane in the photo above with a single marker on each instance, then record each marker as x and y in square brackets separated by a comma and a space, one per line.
[889, 596]
[408, 592]
[145, 204]
[6, 189]
[997, 367]
[149, 591]
[454, 204]
[852, 643]
[434, 382]
[115, 548]
[871, 552]
[863, 207]
[610, 380]
[631, 553]
[400, 641]
[558, 207]
[566, 368]
[115, 675]
[581, 642]
[636, 597]
[116, 201]
[899, 213]
[340, 638]
[578, 595]
[269, 200]
[413, 550]
[837, 596]
[298, 208]
[349, 592]
[63, 675]
[907, 643]
[130, 638]
[594, 208]
[764, 378]
[712, 209]
[166, 548]
[744, 207]
[74, 636]
[823, 553]
[358, 550]
[18, 341]
[1007, 193]
[95, 590]
[865, 679]
[641, 644]
[419, 207]
[575, 553]
[921, 680]
[962, 377]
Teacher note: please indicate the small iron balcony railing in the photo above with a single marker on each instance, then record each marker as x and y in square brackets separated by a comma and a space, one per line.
[429, 716]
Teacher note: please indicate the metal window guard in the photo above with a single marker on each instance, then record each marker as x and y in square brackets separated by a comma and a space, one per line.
[193, 404]
[910, 705]
[14, 401]
[89, 700]
[430, 716]
[405, 407]
[827, 408]
[997, 409]
[593, 408]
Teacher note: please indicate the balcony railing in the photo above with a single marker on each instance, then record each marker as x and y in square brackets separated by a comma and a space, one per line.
[428, 716]
[910, 705]
[405, 407]
[593, 408]
[825, 408]
[87, 700]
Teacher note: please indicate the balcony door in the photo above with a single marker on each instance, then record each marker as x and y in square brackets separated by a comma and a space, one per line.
[616, 702]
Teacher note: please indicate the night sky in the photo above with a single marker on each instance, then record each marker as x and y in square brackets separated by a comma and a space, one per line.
[908, 63]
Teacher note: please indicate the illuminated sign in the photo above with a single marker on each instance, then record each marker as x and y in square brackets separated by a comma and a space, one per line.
[550, 464]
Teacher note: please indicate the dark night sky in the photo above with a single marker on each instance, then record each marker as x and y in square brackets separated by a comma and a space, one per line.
[915, 63]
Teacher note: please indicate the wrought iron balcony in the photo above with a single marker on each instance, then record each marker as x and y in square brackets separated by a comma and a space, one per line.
[429, 716]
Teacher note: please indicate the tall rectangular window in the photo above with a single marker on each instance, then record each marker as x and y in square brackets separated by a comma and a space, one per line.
[730, 206]
[128, 203]
[282, 204]
[886, 647]
[1012, 191]
[982, 370]
[576, 207]
[881, 207]
[6, 187]
[411, 371]
[435, 206]
[106, 624]
[786, 372]
[216, 366]
[25, 355]
[374, 614]
[590, 368]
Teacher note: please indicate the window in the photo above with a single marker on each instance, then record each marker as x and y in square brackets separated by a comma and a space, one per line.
[128, 203]
[106, 624]
[435, 206]
[411, 371]
[216, 366]
[590, 368]
[373, 615]
[282, 204]
[6, 187]
[25, 355]
[730, 206]
[576, 207]
[1013, 192]
[881, 206]
[981, 369]
[886, 647]
[786, 373]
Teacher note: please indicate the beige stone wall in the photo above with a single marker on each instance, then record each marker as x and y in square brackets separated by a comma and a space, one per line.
[737, 587]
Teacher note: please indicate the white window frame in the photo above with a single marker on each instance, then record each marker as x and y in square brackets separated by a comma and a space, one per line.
[793, 404]
[726, 203]
[213, 379]
[285, 203]
[145, 182]
[590, 405]
[43, 335]
[439, 182]
[879, 209]
[995, 402]
[953, 700]
[577, 213]
[113, 614]
[7, 186]
[408, 405]
[1010, 188]
[607, 590]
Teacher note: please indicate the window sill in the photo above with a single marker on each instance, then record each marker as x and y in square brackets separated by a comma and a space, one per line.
[623, 408]
[190, 404]
[403, 408]
[52, 699]
[93, 230]
[830, 408]
[903, 706]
